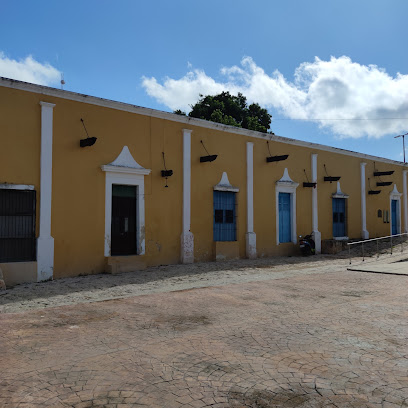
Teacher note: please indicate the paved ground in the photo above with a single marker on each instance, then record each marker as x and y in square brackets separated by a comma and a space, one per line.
[395, 268]
[92, 288]
[307, 340]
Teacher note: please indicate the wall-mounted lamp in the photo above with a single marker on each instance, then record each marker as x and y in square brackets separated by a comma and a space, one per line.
[372, 192]
[166, 173]
[308, 183]
[271, 158]
[209, 157]
[330, 178]
[89, 141]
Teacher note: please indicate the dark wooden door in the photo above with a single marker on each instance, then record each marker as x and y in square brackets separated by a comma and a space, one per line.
[123, 220]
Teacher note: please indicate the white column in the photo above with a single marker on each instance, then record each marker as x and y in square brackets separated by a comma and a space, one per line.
[187, 238]
[250, 236]
[404, 195]
[364, 232]
[45, 242]
[317, 236]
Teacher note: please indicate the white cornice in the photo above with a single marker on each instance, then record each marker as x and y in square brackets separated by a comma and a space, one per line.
[225, 185]
[286, 181]
[125, 163]
[73, 96]
[117, 169]
[339, 193]
[395, 193]
[47, 104]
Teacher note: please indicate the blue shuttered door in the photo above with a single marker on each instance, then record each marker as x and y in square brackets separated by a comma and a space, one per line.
[394, 211]
[339, 217]
[285, 227]
[224, 216]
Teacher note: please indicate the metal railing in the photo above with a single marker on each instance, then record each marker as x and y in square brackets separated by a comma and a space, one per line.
[377, 240]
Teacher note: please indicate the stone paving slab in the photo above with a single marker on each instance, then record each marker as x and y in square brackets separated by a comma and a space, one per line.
[321, 340]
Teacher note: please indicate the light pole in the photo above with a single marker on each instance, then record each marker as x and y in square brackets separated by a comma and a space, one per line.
[403, 142]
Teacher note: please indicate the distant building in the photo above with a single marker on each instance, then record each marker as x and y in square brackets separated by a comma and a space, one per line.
[67, 210]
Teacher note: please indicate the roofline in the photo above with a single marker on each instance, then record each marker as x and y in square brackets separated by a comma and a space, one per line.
[107, 103]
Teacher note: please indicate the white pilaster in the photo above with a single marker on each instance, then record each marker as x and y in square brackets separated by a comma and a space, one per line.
[187, 238]
[45, 242]
[364, 232]
[404, 195]
[250, 236]
[317, 236]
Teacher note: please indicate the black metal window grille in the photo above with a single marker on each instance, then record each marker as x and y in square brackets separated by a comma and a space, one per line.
[17, 225]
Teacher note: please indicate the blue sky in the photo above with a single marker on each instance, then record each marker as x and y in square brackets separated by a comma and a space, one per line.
[314, 64]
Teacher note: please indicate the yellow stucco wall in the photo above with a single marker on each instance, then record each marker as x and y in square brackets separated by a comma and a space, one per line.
[20, 135]
[78, 189]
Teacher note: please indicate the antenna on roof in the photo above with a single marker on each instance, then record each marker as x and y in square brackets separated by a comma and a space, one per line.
[62, 80]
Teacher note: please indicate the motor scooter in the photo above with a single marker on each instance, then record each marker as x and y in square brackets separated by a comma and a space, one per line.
[307, 245]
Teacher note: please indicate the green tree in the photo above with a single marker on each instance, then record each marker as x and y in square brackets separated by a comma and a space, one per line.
[231, 110]
[179, 112]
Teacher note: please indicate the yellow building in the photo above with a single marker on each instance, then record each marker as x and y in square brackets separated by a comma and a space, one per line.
[67, 210]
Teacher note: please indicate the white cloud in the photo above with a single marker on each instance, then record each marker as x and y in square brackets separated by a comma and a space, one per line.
[321, 90]
[28, 70]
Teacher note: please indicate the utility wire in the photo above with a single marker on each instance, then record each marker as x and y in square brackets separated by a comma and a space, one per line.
[311, 119]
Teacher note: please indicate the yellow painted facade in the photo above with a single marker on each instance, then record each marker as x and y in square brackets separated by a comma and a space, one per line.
[78, 182]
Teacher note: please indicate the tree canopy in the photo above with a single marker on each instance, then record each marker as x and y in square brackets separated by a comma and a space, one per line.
[231, 110]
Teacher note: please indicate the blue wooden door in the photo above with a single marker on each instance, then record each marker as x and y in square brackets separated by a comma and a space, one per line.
[394, 219]
[339, 217]
[224, 226]
[285, 228]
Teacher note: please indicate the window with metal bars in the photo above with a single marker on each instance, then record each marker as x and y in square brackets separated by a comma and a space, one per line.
[17, 225]
[224, 216]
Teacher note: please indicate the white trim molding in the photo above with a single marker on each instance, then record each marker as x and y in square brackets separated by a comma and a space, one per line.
[250, 236]
[186, 120]
[225, 185]
[124, 170]
[317, 236]
[339, 193]
[45, 242]
[286, 185]
[396, 195]
[125, 163]
[8, 186]
[364, 232]
[404, 195]
[187, 238]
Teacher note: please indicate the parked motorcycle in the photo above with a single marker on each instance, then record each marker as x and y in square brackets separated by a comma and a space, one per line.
[307, 245]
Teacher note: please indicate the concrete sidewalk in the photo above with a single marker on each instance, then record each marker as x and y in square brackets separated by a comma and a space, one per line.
[398, 266]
